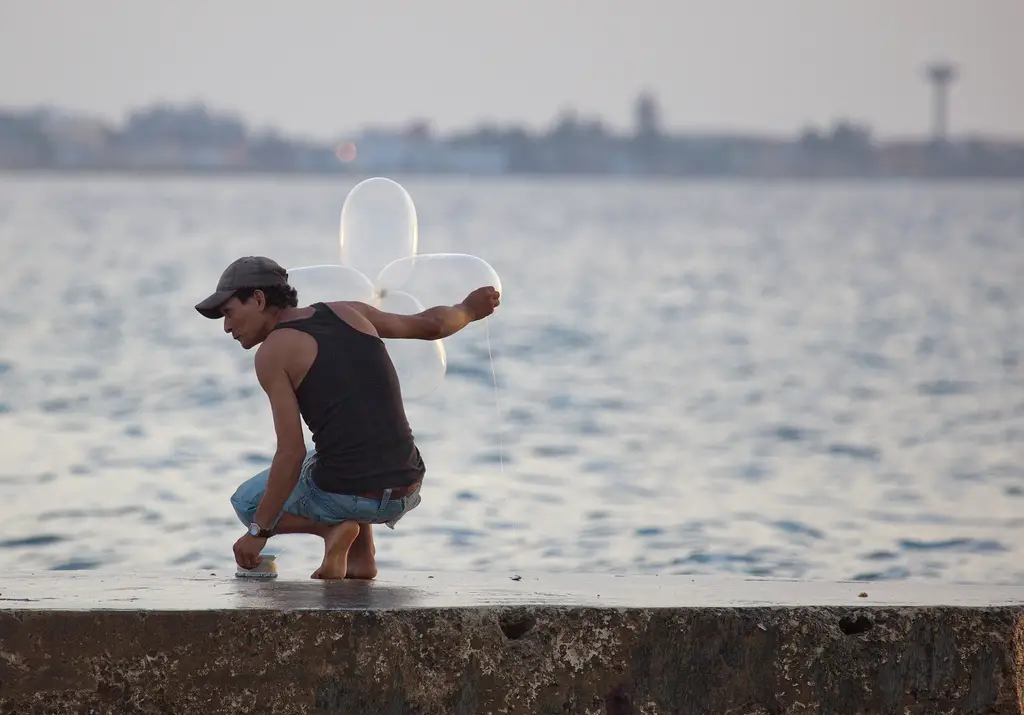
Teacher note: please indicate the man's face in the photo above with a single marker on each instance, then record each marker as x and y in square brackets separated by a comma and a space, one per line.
[246, 322]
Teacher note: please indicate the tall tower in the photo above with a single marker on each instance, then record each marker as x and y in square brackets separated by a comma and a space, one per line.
[646, 115]
[940, 74]
[648, 141]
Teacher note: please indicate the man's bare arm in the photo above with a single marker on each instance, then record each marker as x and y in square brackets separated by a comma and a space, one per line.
[433, 323]
[291, 448]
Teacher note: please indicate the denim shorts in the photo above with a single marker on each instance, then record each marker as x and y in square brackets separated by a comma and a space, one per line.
[311, 502]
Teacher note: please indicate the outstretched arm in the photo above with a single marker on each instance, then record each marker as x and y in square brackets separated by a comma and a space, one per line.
[433, 323]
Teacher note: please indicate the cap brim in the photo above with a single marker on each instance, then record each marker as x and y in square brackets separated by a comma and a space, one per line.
[210, 308]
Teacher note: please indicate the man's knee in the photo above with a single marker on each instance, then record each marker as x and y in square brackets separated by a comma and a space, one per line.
[247, 497]
[243, 509]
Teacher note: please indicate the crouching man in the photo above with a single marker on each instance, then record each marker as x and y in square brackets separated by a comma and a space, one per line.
[327, 364]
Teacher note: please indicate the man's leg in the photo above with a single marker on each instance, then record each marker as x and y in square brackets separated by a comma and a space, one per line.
[361, 561]
[338, 539]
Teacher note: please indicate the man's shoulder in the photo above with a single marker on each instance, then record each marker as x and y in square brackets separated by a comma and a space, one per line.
[274, 349]
[343, 308]
[356, 314]
[286, 348]
[276, 342]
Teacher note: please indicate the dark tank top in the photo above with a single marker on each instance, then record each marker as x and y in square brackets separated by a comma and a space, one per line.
[352, 403]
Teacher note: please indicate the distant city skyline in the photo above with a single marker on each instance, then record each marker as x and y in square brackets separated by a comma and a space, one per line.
[325, 71]
[193, 139]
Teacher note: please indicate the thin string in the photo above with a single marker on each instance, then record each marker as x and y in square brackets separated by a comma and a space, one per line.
[497, 404]
[497, 400]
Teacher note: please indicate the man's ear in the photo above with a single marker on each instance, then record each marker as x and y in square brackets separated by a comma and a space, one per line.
[261, 299]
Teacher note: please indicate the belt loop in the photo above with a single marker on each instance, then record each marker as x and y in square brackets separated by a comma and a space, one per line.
[385, 498]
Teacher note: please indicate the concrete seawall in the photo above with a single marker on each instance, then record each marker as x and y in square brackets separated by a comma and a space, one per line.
[421, 643]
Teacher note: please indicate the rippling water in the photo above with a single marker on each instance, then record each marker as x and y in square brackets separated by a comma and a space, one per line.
[791, 380]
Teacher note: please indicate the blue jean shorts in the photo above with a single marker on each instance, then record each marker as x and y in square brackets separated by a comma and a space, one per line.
[311, 502]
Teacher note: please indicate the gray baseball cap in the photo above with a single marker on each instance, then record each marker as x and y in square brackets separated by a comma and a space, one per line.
[245, 272]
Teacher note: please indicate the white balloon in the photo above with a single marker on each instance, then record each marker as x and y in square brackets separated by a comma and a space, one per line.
[420, 364]
[330, 283]
[378, 225]
[437, 278]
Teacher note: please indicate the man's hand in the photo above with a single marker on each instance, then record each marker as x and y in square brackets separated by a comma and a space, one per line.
[247, 551]
[481, 302]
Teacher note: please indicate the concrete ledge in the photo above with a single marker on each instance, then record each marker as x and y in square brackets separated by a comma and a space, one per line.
[420, 644]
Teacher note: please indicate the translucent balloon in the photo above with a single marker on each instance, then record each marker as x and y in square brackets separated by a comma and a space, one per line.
[329, 283]
[378, 226]
[437, 278]
[420, 364]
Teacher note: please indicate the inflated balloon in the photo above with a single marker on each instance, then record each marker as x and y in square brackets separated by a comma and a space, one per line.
[380, 266]
[329, 283]
[437, 278]
[420, 364]
[378, 226]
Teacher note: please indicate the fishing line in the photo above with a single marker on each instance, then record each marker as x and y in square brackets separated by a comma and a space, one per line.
[497, 405]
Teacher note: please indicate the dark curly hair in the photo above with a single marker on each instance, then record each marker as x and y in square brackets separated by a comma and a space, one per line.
[278, 296]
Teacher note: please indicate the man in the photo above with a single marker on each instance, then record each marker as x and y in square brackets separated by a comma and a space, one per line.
[327, 364]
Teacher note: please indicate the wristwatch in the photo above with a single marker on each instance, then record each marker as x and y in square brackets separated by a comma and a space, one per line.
[258, 532]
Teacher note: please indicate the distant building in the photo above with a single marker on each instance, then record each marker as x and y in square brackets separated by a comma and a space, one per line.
[411, 152]
[75, 142]
[179, 138]
[940, 75]
[649, 138]
[647, 116]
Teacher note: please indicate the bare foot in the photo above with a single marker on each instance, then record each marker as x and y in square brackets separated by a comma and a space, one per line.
[337, 541]
[361, 563]
[360, 567]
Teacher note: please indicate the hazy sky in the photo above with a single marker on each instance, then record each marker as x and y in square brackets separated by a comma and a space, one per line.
[324, 68]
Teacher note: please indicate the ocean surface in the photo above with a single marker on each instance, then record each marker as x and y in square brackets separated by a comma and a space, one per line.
[794, 380]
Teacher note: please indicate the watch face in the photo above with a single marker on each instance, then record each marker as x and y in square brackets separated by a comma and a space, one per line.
[254, 529]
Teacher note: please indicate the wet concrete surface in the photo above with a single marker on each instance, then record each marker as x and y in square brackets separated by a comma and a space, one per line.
[203, 591]
[422, 643]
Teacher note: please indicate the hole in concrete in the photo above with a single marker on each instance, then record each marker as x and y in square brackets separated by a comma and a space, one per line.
[855, 626]
[618, 702]
[516, 625]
